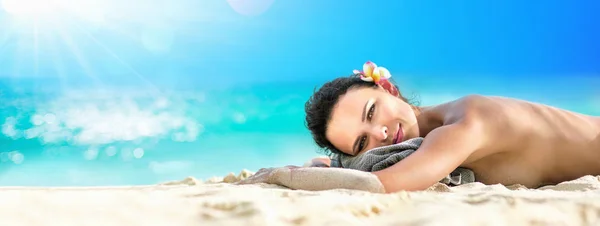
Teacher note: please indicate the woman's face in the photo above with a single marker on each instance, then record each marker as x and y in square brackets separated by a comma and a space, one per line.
[365, 118]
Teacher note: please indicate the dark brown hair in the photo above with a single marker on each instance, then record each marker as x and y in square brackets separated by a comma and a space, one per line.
[319, 106]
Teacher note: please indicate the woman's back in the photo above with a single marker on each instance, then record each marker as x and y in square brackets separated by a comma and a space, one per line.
[529, 143]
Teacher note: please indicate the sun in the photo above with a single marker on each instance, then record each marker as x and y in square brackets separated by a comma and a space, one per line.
[29, 8]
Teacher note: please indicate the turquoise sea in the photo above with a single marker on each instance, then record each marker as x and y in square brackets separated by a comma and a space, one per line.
[123, 135]
[109, 93]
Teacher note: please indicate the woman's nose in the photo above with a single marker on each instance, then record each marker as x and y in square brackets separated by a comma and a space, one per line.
[380, 133]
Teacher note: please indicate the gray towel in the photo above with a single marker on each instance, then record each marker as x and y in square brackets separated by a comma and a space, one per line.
[382, 157]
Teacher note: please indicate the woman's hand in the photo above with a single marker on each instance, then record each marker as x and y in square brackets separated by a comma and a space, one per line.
[274, 175]
[318, 162]
[268, 176]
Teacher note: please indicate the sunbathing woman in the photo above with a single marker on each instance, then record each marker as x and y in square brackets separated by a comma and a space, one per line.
[502, 140]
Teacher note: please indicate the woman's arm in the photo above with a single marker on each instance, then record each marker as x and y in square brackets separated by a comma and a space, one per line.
[443, 150]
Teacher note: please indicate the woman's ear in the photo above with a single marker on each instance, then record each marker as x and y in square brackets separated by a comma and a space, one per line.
[416, 109]
[389, 87]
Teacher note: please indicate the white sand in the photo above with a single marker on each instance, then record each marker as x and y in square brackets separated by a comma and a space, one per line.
[190, 202]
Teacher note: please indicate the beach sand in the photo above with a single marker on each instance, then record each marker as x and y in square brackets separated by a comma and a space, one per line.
[214, 202]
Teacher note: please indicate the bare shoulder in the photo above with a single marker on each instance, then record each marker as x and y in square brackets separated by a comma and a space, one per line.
[488, 117]
[470, 108]
[493, 112]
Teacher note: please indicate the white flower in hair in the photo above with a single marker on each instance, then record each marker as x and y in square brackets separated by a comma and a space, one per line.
[372, 73]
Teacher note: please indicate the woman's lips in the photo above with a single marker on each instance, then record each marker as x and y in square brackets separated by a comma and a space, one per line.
[399, 136]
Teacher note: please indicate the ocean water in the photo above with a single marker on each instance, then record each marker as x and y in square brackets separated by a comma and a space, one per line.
[124, 135]
[85, 135]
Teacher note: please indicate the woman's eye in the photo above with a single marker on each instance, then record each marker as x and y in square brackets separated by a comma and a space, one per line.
[371, 110]
[361, 145]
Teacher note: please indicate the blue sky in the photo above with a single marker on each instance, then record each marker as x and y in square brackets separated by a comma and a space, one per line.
[458, 36]
[421, 41]
[308, 39]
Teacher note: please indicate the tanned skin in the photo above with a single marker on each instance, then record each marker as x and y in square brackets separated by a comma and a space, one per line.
[503, 140]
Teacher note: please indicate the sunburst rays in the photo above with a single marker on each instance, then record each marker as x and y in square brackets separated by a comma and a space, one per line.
[62, 34]
[77, 37]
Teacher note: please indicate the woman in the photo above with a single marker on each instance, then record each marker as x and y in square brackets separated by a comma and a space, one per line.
[503, 140]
